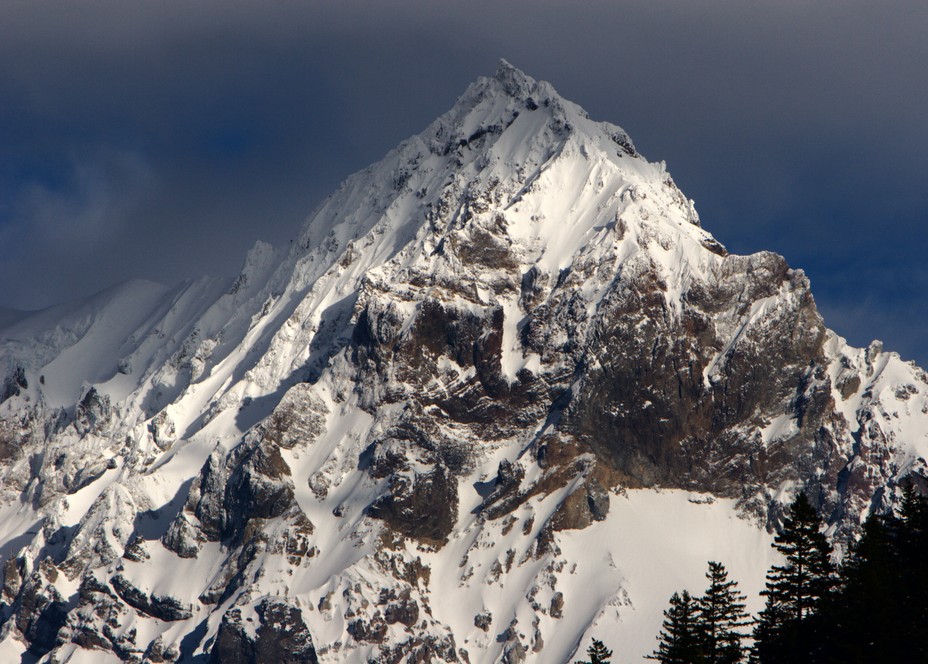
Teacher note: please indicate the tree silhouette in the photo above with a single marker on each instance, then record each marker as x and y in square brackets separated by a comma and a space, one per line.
[598, 653]
[794, 590]
[679, 639]
[722, 617]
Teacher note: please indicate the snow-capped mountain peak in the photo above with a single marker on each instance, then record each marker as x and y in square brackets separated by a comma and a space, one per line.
[427, 429]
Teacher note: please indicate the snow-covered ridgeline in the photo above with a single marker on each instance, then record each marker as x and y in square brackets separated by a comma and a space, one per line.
[513, 215]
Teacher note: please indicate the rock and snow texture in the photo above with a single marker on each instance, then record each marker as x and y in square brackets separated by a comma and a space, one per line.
[502, 395]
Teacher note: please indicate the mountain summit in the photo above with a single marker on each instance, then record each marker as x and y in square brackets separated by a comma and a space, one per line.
[502, 394]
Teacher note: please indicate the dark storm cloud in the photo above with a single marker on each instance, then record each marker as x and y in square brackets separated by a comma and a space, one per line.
[160, 140]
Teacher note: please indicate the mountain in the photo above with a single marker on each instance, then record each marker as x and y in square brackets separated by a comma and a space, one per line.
[502, 395]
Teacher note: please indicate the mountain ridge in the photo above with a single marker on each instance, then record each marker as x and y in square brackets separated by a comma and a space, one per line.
[421, 431]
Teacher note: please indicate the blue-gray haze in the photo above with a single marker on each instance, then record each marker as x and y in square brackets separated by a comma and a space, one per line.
[161, 139]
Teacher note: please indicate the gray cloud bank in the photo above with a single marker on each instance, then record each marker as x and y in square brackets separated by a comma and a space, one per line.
[161, 139]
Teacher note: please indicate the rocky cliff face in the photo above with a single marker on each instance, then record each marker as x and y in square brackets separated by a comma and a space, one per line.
[443, 426]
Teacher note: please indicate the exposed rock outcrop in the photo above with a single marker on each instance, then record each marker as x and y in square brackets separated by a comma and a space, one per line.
[280, 636]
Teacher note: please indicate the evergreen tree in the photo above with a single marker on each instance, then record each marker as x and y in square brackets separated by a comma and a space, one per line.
[679, 642]
[874, 610]
[912, 536]
[722, 617]
[796, 589]
[598, 653]
[881, 606]
[911, 504]
[855, 621]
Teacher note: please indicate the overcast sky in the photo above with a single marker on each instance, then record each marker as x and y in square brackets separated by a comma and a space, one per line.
[161, 139]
